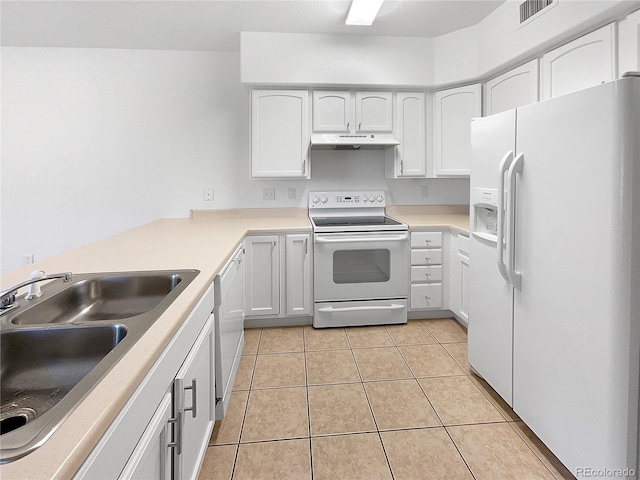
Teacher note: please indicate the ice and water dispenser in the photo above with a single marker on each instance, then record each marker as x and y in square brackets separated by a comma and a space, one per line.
[485, 213]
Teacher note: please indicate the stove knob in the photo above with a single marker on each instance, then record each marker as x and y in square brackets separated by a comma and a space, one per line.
[379, 198]
[372, 198]
[365, 198]
[324, 200]
[316, 199]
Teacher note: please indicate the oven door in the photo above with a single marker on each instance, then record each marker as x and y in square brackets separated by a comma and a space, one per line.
[361, 266]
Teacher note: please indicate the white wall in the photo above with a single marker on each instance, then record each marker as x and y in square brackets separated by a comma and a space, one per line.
[310, 59]
[95, 142]
[98, 141]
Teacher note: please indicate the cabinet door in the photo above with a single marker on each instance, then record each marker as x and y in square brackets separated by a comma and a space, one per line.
[298, 265]
[463, 263]
[262, 275]
[280, 133]
[585, 62]
[454, 110]
[454, 277]
[332, 111]
[513, 89]
[374, 112]
[151, 459]
[409, 158]
[193, 405]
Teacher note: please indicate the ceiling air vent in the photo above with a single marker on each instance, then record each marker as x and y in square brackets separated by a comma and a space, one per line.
[531, 7]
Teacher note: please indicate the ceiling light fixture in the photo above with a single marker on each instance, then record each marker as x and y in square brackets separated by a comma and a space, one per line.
[363, 12]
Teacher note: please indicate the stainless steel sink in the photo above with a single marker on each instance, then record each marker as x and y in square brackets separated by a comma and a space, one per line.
[55, 349]
[112, 297]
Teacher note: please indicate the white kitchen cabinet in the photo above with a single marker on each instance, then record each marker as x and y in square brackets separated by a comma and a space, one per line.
[280, 134]
[374, 111]
[349, 111]
[262, 275]
[143, 440]
[459, 277]
[194, 403]
[409, 159]
[512, 89]
[584, 62]
[454, 109]
[278, 277]
[426, 270]
[332, 111]
[151, 459]
[298, 272]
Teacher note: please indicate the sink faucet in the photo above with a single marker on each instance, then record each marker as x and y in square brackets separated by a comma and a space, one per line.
[8, 297]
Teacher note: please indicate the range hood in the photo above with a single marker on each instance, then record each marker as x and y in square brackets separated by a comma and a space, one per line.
[352, 141]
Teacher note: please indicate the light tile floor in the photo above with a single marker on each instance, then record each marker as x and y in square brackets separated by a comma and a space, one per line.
[395, 402]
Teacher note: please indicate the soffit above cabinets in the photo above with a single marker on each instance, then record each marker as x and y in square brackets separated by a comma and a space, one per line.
[216, 25]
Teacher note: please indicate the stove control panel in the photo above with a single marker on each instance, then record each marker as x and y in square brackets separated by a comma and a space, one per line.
[346, 199]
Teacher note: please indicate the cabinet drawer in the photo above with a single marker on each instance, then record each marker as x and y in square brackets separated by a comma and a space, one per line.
[428, 295]
[424, 256]
[426, 239]
[426, 274]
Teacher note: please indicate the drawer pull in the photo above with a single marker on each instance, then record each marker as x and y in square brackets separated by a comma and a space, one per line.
[427, 275]
[427, 298]
[427, 241]
[428, 259]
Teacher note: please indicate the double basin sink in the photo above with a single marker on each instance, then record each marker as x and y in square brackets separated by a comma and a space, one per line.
[56, 348]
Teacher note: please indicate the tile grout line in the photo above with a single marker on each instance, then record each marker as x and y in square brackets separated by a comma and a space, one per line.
[306, 381]
[445, 428]
[532, 450]
[244, 416]
[375, 421]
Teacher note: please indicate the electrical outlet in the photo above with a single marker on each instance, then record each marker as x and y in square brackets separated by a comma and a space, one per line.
[28, 258]
[291, 193]
[268, 194]
[425, 191]
[208, 194]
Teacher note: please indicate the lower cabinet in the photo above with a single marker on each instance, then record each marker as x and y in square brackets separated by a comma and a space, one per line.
[298, 273]
[262, 275]
[459, 280]
[427, 270]
[179, 430]
[278, 275]
[163, 430]
[152, 457]
[194, 406]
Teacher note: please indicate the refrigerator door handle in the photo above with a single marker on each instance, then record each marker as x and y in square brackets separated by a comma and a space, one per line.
[515, 168]
[506, 162]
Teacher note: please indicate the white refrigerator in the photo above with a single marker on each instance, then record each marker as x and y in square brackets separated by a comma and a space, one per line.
[554, 322]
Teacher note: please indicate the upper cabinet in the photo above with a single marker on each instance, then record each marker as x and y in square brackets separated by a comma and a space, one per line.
[280, 134]
[409, 158]
[342, 111]
[454, 109]
[332, 111]
[587, 61]
[374, 112]
[513, 89]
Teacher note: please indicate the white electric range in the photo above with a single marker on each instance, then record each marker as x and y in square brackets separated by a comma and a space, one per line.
[361, 260]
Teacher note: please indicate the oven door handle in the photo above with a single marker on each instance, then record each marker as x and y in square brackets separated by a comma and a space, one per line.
[388, 238]
[393, 306]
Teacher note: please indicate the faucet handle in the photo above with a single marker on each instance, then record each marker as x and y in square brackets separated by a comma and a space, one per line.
[34, 288]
